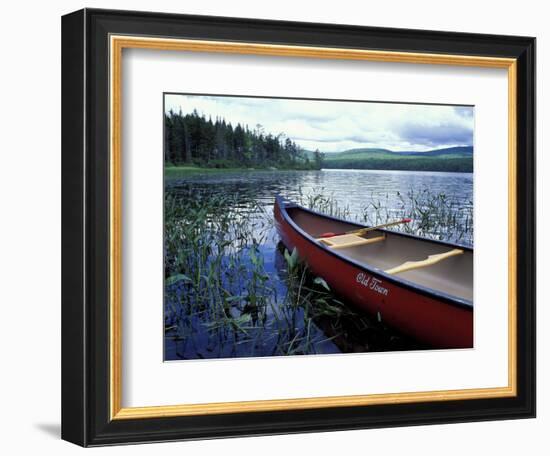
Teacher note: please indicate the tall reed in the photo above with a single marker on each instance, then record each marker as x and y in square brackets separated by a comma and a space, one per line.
[434, 215]
[225, 298]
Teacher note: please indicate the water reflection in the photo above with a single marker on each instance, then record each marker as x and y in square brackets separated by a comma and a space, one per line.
[276, 326]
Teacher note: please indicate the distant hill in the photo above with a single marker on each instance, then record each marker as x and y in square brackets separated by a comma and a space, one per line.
[457, 159]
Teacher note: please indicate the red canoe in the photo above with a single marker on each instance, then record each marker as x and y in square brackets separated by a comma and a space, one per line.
[421, 287]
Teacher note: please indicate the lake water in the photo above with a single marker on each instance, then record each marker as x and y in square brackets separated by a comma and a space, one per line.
[440, 204]
[355, 191]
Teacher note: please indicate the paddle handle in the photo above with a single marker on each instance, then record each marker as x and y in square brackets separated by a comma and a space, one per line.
[385, 225]
[366, 230]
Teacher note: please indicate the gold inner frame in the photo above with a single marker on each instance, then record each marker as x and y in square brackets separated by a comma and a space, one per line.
[117, 44]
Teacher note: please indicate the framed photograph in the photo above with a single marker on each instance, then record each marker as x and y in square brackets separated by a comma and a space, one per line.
[280, 227]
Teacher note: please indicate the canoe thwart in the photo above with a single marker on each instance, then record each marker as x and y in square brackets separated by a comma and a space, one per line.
[432, 259]
[349, 240]
[432, 305]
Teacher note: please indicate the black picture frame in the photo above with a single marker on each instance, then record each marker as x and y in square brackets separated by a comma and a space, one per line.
[85, 228]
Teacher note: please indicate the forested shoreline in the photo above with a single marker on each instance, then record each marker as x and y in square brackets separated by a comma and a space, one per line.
[447, 159]
[194, 140]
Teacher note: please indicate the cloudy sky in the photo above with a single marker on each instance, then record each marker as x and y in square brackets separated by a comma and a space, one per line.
[333, 126]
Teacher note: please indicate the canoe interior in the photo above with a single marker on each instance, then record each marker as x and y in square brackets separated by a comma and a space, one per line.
[453, 275]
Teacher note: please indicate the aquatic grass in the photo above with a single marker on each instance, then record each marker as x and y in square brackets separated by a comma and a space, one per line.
[219, 299]
[350, 330]
[320, 201]
[222, 300]
[434, 215]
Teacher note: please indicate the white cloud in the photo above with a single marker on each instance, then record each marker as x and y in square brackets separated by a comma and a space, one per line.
[333, 126]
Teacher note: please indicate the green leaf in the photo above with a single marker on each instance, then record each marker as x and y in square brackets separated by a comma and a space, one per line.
[320, 281]
[287, 256]
[294, 257]
[176, 278]
[291, 259]
[253, 257]
[245, 318]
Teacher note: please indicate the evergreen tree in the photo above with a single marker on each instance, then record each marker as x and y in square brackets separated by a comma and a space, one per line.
[191, 138]
[318, 158]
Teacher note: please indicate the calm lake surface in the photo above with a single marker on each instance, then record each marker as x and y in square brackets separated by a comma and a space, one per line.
[441, 205]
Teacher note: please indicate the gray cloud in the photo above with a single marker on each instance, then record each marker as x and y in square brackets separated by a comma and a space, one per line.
[446, 134]
[334, 126]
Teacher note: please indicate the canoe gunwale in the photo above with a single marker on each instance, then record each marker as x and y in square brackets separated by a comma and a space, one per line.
[285, 204]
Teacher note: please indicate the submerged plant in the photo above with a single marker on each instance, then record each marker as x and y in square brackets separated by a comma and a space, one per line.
[224, 298]
[220, 300]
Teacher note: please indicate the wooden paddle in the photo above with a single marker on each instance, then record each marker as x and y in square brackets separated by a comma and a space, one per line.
[365, 230]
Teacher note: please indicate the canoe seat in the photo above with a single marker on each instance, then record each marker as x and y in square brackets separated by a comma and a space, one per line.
[432, 259]
[349, 240]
